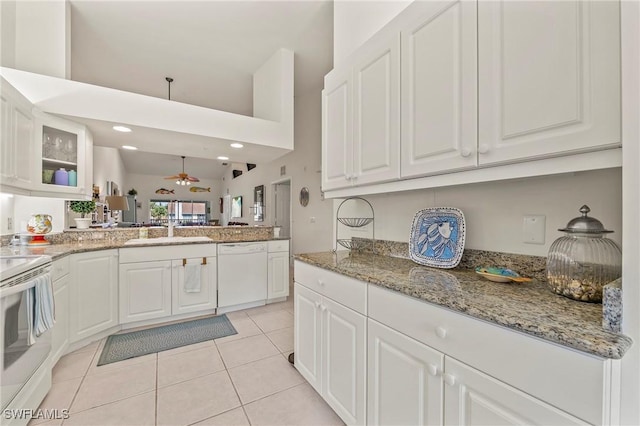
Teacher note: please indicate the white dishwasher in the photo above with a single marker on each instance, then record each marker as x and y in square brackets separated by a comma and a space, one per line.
[242, 273]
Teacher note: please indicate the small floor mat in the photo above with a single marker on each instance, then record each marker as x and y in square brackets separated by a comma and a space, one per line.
[123, 346]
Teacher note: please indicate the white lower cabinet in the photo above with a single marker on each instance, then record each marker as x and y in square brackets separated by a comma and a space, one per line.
[145, 290]
[425, 365]
[60, 335]
[193, 299]
[152, 281]
[93, 298]
[404, 380]
[474, 398]
[330, 348]
[278, 275]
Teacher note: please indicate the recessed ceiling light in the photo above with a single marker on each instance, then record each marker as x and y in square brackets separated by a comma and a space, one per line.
[132, 148]
[223, 158]
[121, 129]
[236, 145]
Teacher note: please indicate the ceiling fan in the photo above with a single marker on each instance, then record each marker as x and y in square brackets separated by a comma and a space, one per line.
[183, 178]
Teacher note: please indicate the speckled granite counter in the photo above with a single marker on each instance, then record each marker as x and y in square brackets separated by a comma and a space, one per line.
[57, 251]
[528, 307]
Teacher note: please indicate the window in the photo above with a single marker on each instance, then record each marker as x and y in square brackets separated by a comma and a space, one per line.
[186, 212]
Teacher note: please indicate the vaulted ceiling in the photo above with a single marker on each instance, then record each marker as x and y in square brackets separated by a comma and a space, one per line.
[210, 48]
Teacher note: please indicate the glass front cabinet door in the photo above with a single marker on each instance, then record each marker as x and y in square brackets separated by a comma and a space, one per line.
[65, 163]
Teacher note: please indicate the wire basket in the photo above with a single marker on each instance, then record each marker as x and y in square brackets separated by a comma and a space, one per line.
[346, 243]
[355, 222]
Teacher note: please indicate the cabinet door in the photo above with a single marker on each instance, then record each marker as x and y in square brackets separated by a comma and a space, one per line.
[62, 144]
[474, 398]
[344, 363]
[278, 279]
[60, 337]
[439, 88]
[194, 298]
[17, 138]
[405, 379]
[94, 293]
[337, 131]
[307, 335]
[549, 78]
[145, 291]
[376, 112]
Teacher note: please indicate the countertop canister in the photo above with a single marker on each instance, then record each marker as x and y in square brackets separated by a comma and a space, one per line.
[580, 263]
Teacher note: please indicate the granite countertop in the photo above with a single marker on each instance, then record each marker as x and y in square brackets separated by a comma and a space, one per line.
[530, 308]
[57, 251]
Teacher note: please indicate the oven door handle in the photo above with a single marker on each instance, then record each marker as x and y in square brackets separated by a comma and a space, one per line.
[18, 288]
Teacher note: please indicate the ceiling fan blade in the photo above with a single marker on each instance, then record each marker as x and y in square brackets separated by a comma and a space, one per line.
[173, 177]
[193, 179]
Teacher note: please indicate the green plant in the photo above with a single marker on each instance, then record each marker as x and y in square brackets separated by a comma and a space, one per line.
[82, 207]
[158, 211]
[132, 192]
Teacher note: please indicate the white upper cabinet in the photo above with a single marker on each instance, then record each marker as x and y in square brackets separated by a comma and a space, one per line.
[63, 144]
[337, 148]
[549, 78]
[17, 136]
[376, 108]
[439, 88]
[361, 118]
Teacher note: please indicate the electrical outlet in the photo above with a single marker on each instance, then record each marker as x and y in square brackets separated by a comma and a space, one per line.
[10, 223]
[533, 229]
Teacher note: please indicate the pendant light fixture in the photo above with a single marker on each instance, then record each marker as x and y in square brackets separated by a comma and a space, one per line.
[183, 178]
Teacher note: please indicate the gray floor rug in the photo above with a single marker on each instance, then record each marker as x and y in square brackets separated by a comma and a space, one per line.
[123, 346]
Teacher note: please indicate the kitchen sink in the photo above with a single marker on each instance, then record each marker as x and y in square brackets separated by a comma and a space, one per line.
[168, 240]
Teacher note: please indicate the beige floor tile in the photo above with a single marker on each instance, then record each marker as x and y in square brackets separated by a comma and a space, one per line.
[275, 320]
[114, 385]
[91, 347]
[95, 369]
[246, 350]
[187, 348]
[72, 366]
[235, 417]
[245, 328]
[56, 422]
[59, 397]
[236, 315]
[272, 307]
[188, 365]
[195, 400]
[137, 410]
[283, 339]
[265, 377]
[300, 405]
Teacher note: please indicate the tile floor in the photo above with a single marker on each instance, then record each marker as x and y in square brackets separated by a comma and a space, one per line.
[244, 379]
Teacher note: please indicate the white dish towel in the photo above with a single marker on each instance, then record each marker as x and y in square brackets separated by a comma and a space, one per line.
[40, 307]
[192, 278]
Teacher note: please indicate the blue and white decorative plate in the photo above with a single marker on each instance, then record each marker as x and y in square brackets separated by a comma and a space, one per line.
[437, 237]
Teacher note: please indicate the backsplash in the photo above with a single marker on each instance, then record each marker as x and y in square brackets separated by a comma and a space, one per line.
[525, 265]
[120, 235]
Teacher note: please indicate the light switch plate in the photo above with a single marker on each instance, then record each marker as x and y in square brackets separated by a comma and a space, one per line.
[533, 229]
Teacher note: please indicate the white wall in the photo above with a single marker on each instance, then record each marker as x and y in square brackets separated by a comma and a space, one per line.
[354, 22]
[146, 185]
[24, 207]
[35, 36]
[494, 211]
[303, 166]
[108, 166]
[6, 214]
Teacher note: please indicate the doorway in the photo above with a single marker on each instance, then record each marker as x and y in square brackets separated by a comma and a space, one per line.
[281, 190]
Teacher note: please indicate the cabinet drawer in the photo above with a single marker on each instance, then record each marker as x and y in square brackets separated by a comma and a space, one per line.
[178, 251]
[570, 380]
[60, 268]
[347, 291]
[278, 245]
